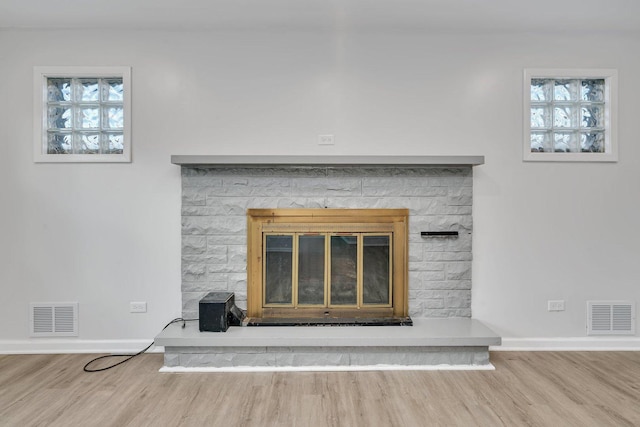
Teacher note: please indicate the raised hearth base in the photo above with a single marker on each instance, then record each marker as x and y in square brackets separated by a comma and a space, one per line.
[430, 343]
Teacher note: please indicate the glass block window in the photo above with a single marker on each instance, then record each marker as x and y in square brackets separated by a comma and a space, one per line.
[82, 114]
[569, 115]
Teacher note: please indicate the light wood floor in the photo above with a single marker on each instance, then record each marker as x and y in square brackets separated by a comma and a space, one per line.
[527, 388]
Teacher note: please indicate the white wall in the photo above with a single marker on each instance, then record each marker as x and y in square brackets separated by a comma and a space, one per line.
[107, 234]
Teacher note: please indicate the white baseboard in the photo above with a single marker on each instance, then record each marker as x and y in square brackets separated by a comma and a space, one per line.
[569, 344]
[67, 346]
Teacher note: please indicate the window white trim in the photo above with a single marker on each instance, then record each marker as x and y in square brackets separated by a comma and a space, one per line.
[610, 76]
[40, 76]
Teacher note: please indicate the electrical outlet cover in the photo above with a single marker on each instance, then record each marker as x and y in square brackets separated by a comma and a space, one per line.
[555, 305]
[138, 307]
[325, 140]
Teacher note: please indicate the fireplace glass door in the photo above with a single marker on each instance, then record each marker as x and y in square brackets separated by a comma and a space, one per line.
[327, 264]
[327, 270]
[311, 270]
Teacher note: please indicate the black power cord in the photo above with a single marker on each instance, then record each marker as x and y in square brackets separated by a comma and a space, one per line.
[131, 356]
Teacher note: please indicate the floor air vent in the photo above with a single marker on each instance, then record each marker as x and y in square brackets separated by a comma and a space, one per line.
[611, 318]
[54, 319]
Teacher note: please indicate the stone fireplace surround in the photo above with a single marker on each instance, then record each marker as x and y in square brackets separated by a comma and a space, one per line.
[437, 190]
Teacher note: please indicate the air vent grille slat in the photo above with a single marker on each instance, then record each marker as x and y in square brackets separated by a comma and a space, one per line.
[42, 320]
[611, 317]
[54, 319]
[64, 319]
[622, 316]
[601, 317]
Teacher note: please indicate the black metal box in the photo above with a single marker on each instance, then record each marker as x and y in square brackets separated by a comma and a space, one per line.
[215, 309]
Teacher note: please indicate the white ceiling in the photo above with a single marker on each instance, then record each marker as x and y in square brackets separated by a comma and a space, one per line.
[423, 15]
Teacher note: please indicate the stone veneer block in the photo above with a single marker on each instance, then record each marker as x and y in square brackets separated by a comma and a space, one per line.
[172, 358]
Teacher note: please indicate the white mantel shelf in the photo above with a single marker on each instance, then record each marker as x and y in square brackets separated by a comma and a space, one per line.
[261, 161]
